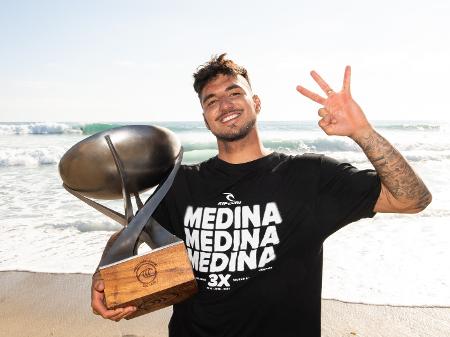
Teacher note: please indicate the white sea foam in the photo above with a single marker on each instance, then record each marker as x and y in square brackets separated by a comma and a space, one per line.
[396, 261]
[88, 226]
[30, 157]
[18, 154]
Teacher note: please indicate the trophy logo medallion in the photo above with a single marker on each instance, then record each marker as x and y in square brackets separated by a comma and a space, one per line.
[146, 272]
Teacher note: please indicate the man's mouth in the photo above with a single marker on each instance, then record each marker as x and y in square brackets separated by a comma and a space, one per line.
[230, 116]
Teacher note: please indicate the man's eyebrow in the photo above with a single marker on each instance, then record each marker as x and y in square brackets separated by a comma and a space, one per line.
[207, 97]
[233, 86]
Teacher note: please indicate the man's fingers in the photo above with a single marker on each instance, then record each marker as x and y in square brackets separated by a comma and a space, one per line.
[322, 123]
[322, 112]
[311, 95]
[114, 315]
[129, 313]
[98, 298]
[98, 307]
[118, 314]
[326, 120]
[322, 84]
[326, 125]
[347, 75]
[99, 285]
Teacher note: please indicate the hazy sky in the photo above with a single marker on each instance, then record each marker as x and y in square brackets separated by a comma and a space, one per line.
[133, 60]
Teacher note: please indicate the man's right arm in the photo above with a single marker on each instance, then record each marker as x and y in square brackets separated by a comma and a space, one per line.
[98, 295]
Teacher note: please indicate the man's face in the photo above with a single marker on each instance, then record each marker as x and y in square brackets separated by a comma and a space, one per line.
[229, 107]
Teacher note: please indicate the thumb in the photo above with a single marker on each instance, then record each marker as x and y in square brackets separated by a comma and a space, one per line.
[99, 285]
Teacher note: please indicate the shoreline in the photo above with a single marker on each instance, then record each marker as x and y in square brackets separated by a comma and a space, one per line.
[323, 298]
[53, 304]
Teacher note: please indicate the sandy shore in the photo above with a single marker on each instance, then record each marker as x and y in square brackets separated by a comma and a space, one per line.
[41, 304]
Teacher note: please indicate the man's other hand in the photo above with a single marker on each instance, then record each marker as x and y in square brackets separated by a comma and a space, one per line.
[340, 114]
[98, 302]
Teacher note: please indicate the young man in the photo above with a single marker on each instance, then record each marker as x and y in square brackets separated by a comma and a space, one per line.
[254, 221]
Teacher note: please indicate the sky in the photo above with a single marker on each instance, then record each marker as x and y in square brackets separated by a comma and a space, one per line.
[94, 61]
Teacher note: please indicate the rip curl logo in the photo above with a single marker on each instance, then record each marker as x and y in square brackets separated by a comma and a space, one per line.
[231, 200]
[146, 272]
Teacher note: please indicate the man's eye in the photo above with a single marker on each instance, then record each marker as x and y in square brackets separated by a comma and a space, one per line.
[235, 94]
[211, 102]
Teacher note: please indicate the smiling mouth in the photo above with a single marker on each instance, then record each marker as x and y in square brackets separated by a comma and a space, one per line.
[230, 117]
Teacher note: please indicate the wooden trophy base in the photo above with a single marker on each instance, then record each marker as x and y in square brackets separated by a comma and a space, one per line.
[150, 282]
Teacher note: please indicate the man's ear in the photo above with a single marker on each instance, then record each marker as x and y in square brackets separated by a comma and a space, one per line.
[206, 123]
[257, 102]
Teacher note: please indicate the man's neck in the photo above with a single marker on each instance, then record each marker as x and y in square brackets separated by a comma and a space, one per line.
[242, 151]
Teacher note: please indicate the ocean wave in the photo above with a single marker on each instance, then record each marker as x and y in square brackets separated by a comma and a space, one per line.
[304, 145]
[30, 157]
[189, 145]
[435, 213]
[430, 212]
[312, 145]
[176, 127]
[415, 157]
[38, 129]
[416, 151]
[44, 128]
[195, 126]
[49, 128]
[409, 126]
[90, 129]
[195, 153]
[88, 226]
[197, 156]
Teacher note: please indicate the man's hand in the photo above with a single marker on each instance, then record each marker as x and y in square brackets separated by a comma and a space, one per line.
[341, 115]
[98, 302]
[402, 190]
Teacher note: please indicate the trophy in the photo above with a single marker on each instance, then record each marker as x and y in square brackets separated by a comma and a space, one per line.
[120, 163]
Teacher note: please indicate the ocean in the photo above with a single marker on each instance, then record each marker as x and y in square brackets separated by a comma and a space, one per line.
[390, 259]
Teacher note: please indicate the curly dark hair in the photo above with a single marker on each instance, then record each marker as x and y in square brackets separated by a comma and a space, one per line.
[218, 65]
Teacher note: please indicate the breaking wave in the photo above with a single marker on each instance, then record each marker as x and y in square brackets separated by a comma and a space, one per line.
[43, 128]
[197, 152]
[86, 226]
[38, 129]
[30, 157]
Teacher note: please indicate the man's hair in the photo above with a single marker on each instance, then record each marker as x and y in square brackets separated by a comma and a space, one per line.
[218, 65]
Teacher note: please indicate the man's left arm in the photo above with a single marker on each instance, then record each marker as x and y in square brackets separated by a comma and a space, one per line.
[402, 190]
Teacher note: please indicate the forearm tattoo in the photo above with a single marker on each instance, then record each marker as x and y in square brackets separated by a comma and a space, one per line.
[394, 171]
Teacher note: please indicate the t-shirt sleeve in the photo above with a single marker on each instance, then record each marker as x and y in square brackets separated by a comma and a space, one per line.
[345, 194]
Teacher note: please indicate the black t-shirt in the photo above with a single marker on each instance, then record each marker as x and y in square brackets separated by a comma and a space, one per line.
[254, 234]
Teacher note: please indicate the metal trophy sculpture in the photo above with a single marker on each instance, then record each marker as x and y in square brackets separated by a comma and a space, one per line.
[116, 164]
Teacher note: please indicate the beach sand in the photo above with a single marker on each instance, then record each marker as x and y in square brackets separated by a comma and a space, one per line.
[43, 304]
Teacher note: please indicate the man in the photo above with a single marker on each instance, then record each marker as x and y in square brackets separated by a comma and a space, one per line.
[254, 221]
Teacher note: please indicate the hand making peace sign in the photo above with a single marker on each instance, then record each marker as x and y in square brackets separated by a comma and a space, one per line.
[341, 115]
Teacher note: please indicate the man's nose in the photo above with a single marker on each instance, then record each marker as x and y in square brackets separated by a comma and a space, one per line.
[226, 103]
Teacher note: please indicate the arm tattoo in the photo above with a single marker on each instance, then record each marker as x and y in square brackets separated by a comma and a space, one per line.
[394, 171]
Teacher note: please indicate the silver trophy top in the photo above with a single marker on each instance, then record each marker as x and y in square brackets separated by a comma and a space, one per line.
[119, 163]
[147, 153]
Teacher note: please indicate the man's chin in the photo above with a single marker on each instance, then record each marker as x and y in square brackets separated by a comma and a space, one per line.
[230, 138]
[235, 135]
